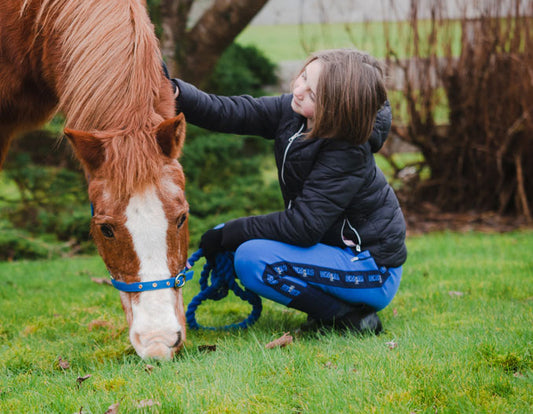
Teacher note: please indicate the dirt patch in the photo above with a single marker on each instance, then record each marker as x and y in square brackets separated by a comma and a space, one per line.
[429, 218]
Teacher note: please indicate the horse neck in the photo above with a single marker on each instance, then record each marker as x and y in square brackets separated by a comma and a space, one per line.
[109, 76]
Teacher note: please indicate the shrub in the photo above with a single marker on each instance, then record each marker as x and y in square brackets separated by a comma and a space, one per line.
[225, 179]
[18, 244]
[479, 160]
[242, 70]
[51, 201]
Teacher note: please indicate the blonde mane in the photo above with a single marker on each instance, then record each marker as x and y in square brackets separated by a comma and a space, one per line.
[109, 78]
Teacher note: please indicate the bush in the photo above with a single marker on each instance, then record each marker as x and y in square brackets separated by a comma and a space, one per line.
[49, 214]
[242, 70]
[225, 179]
[480, 160]
[51, 200]
[16, 244]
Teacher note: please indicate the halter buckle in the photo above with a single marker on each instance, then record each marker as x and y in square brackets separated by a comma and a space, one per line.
[179, 281]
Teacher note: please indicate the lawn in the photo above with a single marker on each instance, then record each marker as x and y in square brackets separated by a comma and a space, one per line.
[458, 338]
[294, 42]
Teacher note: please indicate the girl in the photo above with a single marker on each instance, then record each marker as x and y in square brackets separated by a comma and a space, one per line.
[336, 251]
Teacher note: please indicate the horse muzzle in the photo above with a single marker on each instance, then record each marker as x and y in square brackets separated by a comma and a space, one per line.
[156, 345]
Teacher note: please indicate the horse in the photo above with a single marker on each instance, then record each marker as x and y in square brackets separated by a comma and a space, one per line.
[98, 62]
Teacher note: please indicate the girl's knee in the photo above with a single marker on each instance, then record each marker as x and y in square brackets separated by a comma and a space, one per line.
[249, 263]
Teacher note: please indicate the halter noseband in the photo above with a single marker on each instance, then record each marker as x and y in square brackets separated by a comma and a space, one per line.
[174, 282]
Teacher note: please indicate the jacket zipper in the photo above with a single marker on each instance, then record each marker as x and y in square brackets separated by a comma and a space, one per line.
[350, 243]
[291, 139]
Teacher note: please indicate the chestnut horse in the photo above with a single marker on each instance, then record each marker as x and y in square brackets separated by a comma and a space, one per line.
[98, 62]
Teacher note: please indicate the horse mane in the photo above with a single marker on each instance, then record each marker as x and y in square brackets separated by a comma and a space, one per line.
[109, 79]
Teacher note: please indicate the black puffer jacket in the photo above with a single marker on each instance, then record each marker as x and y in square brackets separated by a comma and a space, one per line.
[332, 189]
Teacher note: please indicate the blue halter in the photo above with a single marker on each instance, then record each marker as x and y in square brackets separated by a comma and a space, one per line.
[174, 282]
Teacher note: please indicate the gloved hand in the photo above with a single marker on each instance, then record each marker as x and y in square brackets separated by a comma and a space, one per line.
[211, 243]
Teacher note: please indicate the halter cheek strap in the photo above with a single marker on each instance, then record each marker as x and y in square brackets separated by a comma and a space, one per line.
[174, 282]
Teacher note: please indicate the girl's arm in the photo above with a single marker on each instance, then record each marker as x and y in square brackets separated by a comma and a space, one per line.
[236, 114]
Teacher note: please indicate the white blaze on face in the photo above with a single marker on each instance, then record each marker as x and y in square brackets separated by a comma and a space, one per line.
[154, 321]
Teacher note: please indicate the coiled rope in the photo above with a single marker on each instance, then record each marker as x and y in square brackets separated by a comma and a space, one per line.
[223, 279]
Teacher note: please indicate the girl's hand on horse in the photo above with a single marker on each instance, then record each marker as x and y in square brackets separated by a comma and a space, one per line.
[211, 243]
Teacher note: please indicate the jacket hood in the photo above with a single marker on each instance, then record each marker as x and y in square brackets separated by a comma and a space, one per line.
[381, 127]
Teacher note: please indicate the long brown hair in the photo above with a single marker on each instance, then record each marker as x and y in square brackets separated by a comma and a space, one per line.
[350, 91]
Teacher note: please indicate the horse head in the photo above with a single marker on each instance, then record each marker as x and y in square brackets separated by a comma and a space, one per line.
[140, 226]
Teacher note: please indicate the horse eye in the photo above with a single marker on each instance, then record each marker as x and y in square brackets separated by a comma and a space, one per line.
[181, 220]
[107, 231]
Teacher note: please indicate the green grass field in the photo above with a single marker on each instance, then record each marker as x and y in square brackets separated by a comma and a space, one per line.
[294, 42]
[458, 339]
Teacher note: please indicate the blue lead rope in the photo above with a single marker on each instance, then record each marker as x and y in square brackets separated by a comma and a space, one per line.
[223, 279]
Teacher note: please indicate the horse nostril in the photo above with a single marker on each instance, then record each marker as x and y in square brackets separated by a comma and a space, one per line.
[178, 341]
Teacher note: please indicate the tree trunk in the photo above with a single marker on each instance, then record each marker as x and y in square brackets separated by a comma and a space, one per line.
[192, 54]
[174, 15]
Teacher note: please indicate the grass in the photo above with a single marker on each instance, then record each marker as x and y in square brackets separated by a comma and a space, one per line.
[458, 339]
[294, 42]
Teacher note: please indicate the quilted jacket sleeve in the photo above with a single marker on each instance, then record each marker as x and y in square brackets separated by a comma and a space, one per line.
[243, 115]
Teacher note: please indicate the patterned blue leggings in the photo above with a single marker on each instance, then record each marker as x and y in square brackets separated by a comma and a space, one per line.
[318, 279]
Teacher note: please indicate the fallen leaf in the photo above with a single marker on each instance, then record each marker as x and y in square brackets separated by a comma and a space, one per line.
[63, 363]
[97, 323]
[282, 341]
[113, 409]
[148, 368]
[395, 312]
[330, 364]
[207, 348]
[391, 344]
[102, 281]
[147, 403]
[455, 293]
[84, 378]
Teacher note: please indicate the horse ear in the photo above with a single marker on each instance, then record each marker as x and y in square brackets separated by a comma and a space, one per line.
[171, 136]
[88, 148]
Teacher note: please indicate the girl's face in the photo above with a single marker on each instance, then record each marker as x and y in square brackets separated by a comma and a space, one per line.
[304, 91]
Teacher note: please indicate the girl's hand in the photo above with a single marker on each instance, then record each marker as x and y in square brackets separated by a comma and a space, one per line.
[211, 243]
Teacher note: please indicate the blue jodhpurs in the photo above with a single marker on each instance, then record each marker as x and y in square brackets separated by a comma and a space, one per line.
[319, 280]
